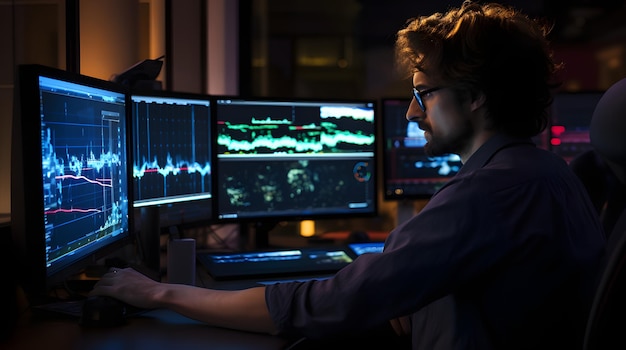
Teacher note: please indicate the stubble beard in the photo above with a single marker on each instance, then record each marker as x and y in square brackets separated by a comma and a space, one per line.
[437, 146]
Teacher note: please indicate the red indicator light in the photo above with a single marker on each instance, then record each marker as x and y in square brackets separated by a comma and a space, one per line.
[557, 130]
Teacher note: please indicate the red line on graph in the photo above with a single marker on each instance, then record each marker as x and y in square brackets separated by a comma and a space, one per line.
[56, 211]
[83, 178]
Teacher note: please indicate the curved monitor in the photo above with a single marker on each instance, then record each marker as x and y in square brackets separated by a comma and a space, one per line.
[289, 159]
[408, 173]
[172, 155]
[70, 180]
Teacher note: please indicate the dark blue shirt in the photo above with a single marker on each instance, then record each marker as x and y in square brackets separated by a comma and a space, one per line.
[504, 256]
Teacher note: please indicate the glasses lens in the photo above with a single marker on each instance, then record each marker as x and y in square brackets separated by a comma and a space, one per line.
[418, 98]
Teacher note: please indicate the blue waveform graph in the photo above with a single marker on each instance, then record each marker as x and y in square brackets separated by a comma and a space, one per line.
[324, 138]
[172, 152]
[84, 180]
[175, 178]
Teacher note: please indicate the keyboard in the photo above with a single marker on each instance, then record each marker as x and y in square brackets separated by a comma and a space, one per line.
[71, 308]
[74, 308]
[277, 262]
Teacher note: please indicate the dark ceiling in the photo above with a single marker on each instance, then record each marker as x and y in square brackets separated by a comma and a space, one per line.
[575, 21]
[583, 21]
[376, 21]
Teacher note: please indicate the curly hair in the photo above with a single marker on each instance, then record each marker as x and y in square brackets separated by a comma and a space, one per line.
[492, 49]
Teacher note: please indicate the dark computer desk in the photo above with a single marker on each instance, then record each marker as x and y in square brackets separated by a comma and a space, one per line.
[153, 330]
[159, 329]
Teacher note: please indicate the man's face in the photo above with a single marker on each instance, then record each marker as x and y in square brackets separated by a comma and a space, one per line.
[446, 121]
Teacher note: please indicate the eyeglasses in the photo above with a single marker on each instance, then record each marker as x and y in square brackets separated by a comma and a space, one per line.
[418, 96]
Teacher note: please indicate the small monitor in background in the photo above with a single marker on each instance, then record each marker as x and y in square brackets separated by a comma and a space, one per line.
[70, 184]
[366, 247]
[408, 173]
[172, 155]
[571, 116]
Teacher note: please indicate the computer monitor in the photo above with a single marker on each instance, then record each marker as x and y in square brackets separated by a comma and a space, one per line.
[571, 116]
[172, 155]
[293, 159]
[70, 189]
[408, 173]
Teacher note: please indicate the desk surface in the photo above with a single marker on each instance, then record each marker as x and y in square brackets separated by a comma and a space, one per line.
[153, 330]
[159, 329]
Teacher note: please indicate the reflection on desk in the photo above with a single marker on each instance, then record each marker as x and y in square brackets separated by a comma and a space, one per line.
[158, 329]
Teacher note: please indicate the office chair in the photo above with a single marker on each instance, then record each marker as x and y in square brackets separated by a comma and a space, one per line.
[606, 325]
[606, 191]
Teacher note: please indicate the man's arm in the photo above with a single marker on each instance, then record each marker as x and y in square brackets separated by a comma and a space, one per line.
[241, 309]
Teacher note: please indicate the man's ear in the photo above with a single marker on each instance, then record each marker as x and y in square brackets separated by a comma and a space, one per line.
[478, 100]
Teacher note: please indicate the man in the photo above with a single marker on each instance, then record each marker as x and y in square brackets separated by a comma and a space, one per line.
[502, 257]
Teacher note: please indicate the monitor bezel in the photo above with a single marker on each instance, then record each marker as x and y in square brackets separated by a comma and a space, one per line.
[28, 231]
[273, 219]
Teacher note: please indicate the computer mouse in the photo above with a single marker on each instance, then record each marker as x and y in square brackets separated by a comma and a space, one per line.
[102, 311]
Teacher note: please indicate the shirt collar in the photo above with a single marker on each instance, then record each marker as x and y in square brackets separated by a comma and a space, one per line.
[483, 154]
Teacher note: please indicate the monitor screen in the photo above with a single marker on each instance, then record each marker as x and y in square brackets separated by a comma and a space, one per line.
[70, 178]
[571, 116]
[360, 248]
[285, 159]
[408, 173]
[172, 155]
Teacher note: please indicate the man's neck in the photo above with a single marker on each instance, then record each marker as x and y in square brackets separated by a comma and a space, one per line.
[476, 142]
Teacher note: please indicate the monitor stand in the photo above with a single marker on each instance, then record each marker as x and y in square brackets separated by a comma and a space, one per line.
[149, 239]
[404, 211]
[258, 233]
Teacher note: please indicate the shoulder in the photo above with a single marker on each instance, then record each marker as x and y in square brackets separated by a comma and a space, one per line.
[519, 165]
